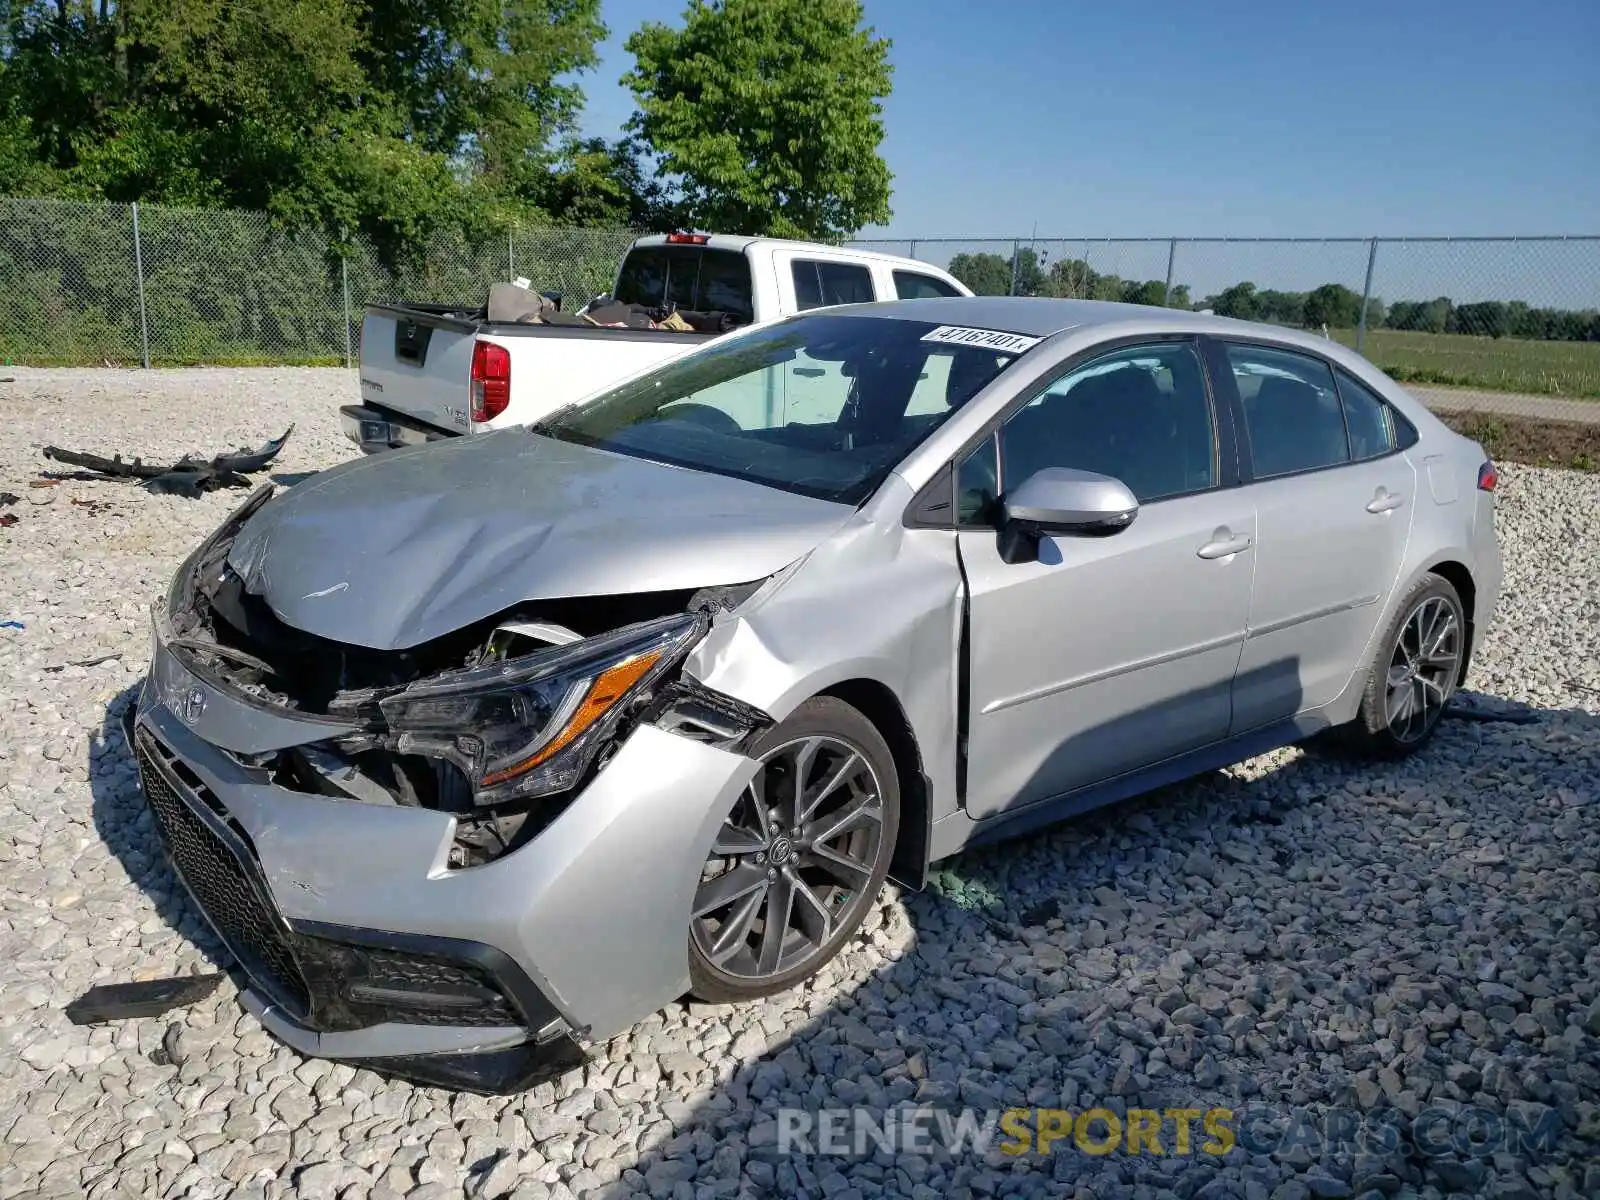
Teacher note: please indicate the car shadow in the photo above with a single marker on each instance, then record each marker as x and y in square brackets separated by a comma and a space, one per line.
[127, 827]
[1001, 990]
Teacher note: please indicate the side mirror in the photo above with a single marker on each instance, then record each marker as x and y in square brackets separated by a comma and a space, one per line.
[1067, 501]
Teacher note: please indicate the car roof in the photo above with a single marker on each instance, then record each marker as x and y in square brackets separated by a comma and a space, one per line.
[1041, 316]
[739, 243]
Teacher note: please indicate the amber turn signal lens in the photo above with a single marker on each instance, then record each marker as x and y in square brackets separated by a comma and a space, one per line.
[609, 686]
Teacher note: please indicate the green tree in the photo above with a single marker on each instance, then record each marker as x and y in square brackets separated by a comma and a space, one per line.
[1333, 305]
[1437, 315]
[1487, 318]
[595, 182]
[395, 118]
[986, 274]
[1281, 308]
[1027, 271]
[1072, 278]
[1237, 301]
[1151, 291]
[765, 115]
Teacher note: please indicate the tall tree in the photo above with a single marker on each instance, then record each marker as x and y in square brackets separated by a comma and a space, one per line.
[1333, 305]
[765, 115]
[391, 117]
[986, 274]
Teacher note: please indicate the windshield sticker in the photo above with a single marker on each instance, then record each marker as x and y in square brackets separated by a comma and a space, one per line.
[989, 339]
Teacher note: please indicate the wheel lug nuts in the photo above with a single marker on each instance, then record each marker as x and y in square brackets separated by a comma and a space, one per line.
[761, 858]
[772, 873]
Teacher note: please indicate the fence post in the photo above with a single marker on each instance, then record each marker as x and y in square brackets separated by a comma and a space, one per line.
[913, 253]
[344, 285]
[1016, 250]
[1172, 253]
[1366, 294]
[511, 255]
[138, 273]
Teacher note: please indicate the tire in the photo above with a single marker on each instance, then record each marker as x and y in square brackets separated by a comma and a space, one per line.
[823, 882]
[1386, 727]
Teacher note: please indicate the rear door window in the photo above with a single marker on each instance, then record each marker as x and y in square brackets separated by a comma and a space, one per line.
[818, 282]
[1291, 411]
[692, 277]
[910, 285]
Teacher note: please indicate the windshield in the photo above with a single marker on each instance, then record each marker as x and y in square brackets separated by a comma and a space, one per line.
[821, 404]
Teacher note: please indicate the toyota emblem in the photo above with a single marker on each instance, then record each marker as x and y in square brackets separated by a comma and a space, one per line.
[192, 705]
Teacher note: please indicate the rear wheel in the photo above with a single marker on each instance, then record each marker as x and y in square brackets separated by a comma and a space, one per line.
[801, 857]
[1414, 672]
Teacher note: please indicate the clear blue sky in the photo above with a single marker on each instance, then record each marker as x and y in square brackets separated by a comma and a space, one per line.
[1258, 118]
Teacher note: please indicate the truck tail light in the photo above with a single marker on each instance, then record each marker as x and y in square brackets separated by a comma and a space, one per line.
[491, 381]
[1487, 476]
[687, 239]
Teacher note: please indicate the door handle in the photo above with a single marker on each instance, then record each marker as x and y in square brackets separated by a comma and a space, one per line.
[1221, 547]
[1385, 501]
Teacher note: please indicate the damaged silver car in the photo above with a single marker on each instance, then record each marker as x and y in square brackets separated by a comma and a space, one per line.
[476, 753]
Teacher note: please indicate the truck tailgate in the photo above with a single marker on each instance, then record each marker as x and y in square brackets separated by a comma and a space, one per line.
[418, 364]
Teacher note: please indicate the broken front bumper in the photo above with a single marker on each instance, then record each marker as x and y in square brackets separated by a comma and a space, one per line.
[359, 942]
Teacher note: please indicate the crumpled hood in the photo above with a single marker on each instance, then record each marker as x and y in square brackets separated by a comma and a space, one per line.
[402, 547]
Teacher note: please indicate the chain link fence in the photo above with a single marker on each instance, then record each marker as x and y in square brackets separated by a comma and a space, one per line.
[1510, 325]
[125, 284]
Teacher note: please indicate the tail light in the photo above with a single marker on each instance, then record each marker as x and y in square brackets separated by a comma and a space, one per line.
[1487, 476]
[491, 381]
[687, 239]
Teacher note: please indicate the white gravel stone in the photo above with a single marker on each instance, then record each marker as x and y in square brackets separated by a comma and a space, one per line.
[1297, 930]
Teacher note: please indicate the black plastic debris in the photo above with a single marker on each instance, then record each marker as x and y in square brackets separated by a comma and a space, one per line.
[149, 998]
[187, 477]
[8, 498]
[87, 662]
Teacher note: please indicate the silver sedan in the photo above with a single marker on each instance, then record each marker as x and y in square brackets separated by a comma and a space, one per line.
[478, 752]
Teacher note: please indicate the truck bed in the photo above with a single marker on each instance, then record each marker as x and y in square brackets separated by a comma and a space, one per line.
[416, 362]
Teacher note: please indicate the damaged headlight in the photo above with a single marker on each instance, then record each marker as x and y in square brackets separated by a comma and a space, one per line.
[212, 552]
[532, 725]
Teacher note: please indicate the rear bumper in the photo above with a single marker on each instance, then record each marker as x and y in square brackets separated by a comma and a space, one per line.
[377, 429]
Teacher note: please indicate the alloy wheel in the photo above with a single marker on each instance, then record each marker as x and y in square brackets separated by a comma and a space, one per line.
[792, 861]
[1422, 669]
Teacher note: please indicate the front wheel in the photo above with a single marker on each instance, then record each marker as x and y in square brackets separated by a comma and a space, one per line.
[1414, 671]
[799, 859]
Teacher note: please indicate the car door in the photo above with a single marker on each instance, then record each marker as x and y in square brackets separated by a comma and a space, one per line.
[1107, 653]
[1333, 526]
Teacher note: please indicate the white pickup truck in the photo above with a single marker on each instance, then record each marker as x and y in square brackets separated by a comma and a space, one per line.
[431, 371]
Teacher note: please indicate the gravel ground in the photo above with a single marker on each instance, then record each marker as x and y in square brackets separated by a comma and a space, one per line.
[1298, 933]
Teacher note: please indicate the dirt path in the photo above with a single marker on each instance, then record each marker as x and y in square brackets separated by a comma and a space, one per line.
[1544, 408]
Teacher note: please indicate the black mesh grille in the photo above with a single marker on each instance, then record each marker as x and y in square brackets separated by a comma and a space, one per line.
[222, 884]
[325, 984]
[473, 1000]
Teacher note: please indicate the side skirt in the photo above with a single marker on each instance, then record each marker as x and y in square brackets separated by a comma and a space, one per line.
[958, 832]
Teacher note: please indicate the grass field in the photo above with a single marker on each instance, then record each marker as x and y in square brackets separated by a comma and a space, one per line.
[1569, 369]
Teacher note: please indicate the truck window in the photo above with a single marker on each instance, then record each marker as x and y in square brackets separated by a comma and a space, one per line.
[691, 277]
[818, 282]
[909, 285]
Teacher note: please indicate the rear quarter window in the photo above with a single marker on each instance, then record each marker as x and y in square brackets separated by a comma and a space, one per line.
[818, 283]
[912, 285]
